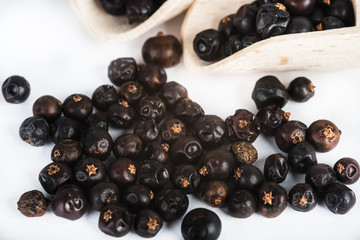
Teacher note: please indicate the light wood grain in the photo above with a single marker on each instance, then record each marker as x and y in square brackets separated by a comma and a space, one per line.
[105, 27]
[330, 49]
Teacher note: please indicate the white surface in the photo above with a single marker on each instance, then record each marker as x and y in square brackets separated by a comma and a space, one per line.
[44, 42]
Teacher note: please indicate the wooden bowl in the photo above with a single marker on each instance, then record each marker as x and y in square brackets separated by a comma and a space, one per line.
[330, 49]
[106, 27]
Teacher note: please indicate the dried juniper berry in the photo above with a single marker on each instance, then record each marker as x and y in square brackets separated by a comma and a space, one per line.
[35, 131]
[269, 90]
[301, 157]
[276, 168]
[320, 176]
[122, 70]
[65, 128]
[115, 221]
[157, 151]
[121, 115]
[300, 7]
[272, 20]
[102, 194]
[172, 93]
[270, 118]
[67, 151]
[152, 108]
[210, 130]
[53, 175]
[47, 107]
[248, 177]
[147, 130]
[132, 91]
[89, 172]
[188, 111]
[232, 45]
[245, 19]
[244, 152]
[243, 126]
[96, 121]
[289, 134]
[339, 198]
[122, 172]
[98, 144]
[104, 96]
[16, 89]
[153, 174]
[152, 77]
[323, 135]
[33, 204]
[330, 22]
[347, 170]
[138, 11]
[163, 50]
[70, 202]
[226, 26]
[216, 164]
[342, 9]
[128, 145]
[113, 7]
[147, 223]
[208, 45]
[301, 89]
[171, 130]
[137, 197]
[299, 25]
[250, 39]
[186, 149]
[201, 223]
[185, 177]
[272, 199]
[215, 193]
[302, 197]
[77, 106]
[241, 203]
[171, 203]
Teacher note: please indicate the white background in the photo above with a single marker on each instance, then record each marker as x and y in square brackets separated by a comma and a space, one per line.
[43, 41]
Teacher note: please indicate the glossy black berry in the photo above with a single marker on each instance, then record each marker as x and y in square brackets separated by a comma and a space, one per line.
[241, 203]
[115, 221]
[208, 45]
[70, 202]
[47, 107]
[272, 20]
[96, 121]
[122, 70]
[276, 168]
[153, 174]
[122, 172]
[67, 151]
[250, 39]
[16, 89]
[65, 128]
[147, 223]
[301, 89]
[104, 96]
[248, 177]
[147, 130]
[53, 175]
[128, 146]
[171, 204]
[215, 193]
[172, 130]
[201, 224]
[33, 204]
[320, 176]
[152, 77]
[138, 11]
[102, 194]
[347, 170]
[35, 131]
[299, 7]
[114, 7]
[98, 144]
[185, 177]
[302, 197]
[269, 90]
[245, 19]
[323, 135]
[299, 25]
[210, 130]
[152, 108]
[188, 111]
[289, 134]
[163, 50]
[226, 26]
[330, 22]
[186, 150]
[342, 9]
[172, 93]
[244, 152]
[77, 106]
[121, 115]
[232, 45]
[243, 126]
[339, 198]
[132, 91]
[301, 157]
[137, 197]
[157, 151]
[270, 118]
[272, 199]
[89, 172]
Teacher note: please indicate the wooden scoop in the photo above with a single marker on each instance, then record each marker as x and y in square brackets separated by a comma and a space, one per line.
[106, 27]
[329, 49]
